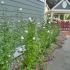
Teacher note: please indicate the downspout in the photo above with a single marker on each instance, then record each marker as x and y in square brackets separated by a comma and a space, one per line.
[45, 16]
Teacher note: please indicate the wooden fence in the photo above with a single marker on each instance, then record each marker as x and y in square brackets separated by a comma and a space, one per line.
[64, 25]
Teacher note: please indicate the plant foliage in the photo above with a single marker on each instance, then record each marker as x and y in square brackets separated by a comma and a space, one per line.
[36, 38]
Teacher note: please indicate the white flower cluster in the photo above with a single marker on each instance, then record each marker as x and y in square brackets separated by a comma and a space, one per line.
[22, 37]
[30, 19]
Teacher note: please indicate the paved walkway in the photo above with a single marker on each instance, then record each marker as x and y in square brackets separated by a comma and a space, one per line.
[62, 58]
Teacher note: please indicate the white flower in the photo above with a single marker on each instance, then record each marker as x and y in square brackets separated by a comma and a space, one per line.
[30, 19]
[18, 20]
[43, 27]
[49, 22]
[38, 23]
[8, 21]
[20, 9]
[9, 55]
[34, 38]
[26, 31]
[48, 14]
[6, 61]
[48, 31]
[22, 37]
[2, 2]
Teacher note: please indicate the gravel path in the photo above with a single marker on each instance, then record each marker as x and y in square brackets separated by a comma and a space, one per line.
[62, 58]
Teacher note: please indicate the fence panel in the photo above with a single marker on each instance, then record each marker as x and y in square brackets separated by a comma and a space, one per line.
[64, 25]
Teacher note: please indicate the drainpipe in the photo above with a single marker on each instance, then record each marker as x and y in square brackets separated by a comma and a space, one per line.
[51, 17]
[45, 17]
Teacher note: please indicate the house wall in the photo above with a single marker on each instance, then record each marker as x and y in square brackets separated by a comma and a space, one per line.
[30, 8]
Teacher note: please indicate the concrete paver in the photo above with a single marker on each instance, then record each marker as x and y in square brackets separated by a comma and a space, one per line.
[62, 58]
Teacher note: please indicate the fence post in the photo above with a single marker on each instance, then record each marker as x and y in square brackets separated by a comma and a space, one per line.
[36, 66]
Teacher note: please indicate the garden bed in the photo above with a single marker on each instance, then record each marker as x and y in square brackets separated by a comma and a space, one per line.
[26, 44]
